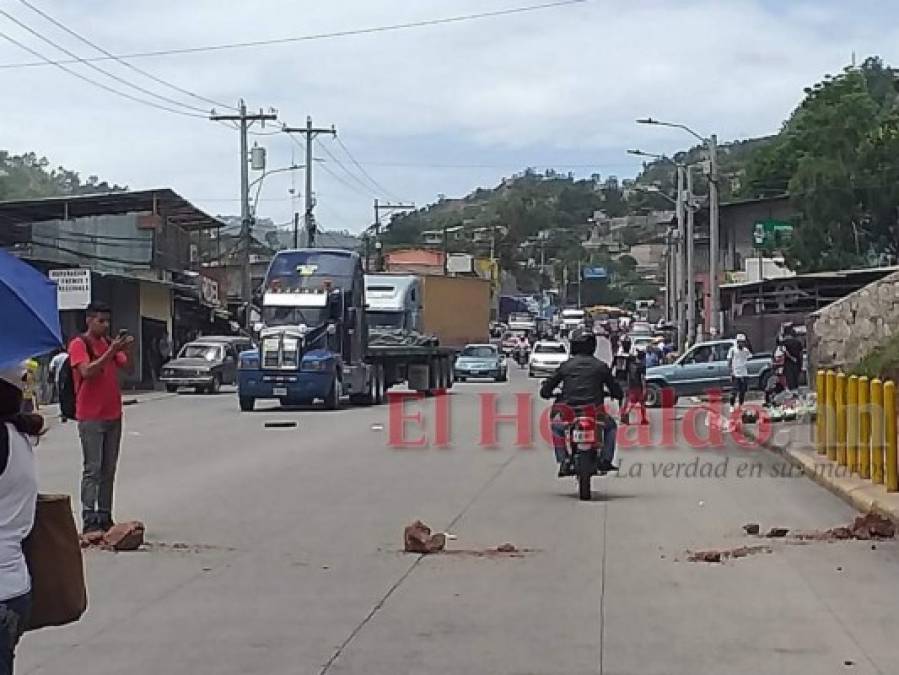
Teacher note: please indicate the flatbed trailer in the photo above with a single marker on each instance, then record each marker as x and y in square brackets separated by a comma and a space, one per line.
[424, 368]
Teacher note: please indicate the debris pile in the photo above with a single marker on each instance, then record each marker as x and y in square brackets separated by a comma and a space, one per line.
[120, 537]
[716, 556]
[864, 528]
[417, 538]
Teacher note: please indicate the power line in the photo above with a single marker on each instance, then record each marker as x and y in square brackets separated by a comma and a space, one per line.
[95, 67]
[112, 90]
[349, 173]
[361, 168]
[318, 36]
[100, 49]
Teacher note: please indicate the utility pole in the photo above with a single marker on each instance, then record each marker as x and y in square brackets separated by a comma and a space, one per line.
[387, 206]
[680, 314]
[715, 300]
[691, 273]
[310, 133]
[246, 121]
[580, 276]
[296, 229]
[445, 251]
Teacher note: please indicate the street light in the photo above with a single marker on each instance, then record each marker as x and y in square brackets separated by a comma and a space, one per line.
[711, 143]
[683, 268]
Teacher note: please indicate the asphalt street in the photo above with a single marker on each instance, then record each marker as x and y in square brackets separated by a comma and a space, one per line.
[279, 550]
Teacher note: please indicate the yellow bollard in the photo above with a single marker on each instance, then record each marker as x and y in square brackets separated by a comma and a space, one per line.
[841, 419]
[820, 414]
[864, 427]
[889, 432]
[876, 431]
[852, 424]
[830, 388]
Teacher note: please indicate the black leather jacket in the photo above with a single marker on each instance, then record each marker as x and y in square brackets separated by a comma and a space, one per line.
[585, 381]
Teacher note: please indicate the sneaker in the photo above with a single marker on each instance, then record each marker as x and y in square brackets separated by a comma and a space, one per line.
[566, 468]
[605, 467]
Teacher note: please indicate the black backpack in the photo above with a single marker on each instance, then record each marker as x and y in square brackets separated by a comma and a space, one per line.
[66, 381]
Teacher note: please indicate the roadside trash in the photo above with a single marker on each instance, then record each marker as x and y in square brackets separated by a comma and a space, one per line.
[280, 425]
[751, 528]
[777, 532]
[701, 503]
[377, 427]
[417, 538]
[506, 548]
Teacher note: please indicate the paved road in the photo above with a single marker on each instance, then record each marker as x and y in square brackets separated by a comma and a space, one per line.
[291, 557]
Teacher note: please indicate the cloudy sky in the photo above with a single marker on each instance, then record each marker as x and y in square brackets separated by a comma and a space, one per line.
[442, 109]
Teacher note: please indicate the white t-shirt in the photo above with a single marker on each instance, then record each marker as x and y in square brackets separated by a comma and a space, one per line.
[18, 498]
[739, 361]
[603, 350]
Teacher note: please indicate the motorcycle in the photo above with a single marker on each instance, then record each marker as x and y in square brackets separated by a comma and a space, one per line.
[522, 354]
[584, 436]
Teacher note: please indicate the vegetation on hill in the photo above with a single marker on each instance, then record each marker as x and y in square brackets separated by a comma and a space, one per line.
[28, 176]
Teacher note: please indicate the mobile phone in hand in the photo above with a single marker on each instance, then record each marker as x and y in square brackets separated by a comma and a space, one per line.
[123, 332]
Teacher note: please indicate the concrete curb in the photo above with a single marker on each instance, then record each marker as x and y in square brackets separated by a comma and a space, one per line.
[128, 399]
[860, 493]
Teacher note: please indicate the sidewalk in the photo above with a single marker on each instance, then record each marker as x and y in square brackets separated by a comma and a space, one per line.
[794, 442]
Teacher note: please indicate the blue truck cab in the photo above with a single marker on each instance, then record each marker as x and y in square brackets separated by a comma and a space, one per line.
[313, 337]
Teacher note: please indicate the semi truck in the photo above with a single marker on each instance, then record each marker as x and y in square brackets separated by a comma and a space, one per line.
[455, 310]
[315, 343]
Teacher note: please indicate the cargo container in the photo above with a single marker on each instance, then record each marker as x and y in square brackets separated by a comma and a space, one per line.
[456, 309]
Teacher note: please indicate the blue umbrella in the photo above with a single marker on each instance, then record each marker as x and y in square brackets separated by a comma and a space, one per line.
[28, 311]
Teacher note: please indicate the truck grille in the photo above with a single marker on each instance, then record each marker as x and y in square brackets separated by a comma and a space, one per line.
[280, 353]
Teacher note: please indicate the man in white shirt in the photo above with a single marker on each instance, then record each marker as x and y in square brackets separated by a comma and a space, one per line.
[738, 360]
[603, 348]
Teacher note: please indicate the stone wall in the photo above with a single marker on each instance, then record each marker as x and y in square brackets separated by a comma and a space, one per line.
[840, 334]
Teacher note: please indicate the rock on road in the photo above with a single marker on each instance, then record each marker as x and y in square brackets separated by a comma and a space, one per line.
[279, 551]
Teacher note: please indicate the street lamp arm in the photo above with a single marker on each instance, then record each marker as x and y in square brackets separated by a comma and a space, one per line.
[674, 125]
[259, 180]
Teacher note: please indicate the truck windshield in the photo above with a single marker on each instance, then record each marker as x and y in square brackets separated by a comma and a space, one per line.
[294, 316]
[386, 319]
[295, 270]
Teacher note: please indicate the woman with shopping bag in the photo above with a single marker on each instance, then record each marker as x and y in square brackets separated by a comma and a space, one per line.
[18, 500]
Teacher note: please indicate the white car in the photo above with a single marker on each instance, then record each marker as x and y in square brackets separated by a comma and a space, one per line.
[546, 357]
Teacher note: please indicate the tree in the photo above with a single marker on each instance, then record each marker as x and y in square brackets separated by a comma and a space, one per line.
[836, 155]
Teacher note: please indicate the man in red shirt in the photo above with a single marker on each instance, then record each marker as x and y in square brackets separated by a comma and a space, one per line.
[95, 362]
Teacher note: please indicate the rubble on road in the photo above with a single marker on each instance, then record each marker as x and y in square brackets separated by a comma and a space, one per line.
[751, 528]
[417, 538]
[716, 556]
[864, 528]
[127, 536]
[777, 532]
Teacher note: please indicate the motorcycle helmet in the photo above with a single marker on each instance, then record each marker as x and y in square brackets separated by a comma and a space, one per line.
[582, 341]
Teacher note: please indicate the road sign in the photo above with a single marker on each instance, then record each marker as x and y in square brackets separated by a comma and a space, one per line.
[73, 288]
[595, 273]
[771, 233]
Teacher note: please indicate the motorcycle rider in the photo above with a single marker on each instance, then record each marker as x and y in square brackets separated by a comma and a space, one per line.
[522, 350]
[584, 380]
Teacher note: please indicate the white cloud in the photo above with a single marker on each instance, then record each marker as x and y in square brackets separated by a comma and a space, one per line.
[556, 86]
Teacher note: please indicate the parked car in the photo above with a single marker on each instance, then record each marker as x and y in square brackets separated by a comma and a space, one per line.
[481, 361]
[702, 368]
[205, 364]
[546, 357]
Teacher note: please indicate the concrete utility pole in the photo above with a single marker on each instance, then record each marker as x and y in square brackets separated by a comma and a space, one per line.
[715, 304]
[680, 313]
[246, 121]
[387, 206]
[311, 133]
[691, 272]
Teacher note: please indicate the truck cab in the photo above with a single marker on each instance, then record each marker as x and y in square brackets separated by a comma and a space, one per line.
[394, 301]
[313, 337]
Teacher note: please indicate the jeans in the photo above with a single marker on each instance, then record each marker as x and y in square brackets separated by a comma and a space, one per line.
[14, 615]
[100, 442]
[740, 385]
[559, 426]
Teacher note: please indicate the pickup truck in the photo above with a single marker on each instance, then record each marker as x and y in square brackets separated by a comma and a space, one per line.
[702, 368]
